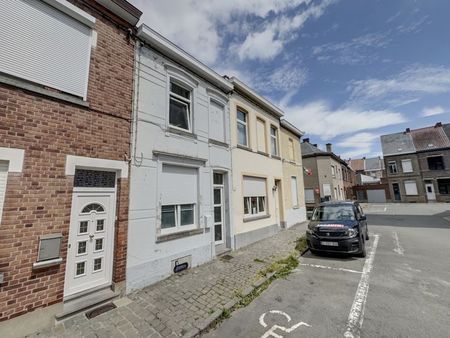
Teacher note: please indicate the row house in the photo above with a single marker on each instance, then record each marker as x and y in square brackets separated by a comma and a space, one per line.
[66, 82]
[418, 164]
[123, 159]
[180, 212]
[327, 176]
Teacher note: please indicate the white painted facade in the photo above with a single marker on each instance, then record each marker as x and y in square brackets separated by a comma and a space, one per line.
[172, 167]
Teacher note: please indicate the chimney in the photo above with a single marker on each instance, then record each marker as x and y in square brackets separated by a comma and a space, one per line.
[408, 130]
[437, 125]
[306, 140]
[329, 148]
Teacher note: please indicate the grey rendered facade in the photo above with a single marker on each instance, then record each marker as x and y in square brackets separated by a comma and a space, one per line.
[181, 163]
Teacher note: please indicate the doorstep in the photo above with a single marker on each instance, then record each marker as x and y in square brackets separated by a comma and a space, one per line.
[86, 302]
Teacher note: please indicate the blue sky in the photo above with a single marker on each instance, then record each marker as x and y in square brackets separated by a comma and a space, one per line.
[344, 71]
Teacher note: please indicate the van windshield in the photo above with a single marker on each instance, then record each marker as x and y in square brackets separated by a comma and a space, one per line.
[334, 213]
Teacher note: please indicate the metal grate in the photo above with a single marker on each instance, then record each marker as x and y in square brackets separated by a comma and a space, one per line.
[98, 311]
[94, 179]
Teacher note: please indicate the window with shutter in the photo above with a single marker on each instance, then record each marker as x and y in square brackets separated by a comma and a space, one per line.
[254, 192]
[407, 166]
[411, 188]
[44, 45]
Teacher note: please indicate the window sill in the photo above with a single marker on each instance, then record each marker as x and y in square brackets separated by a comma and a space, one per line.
[34, 88]
[178, 235]
[296, 207]
[276, 157]
[239, 146]
[263, 153]
[46, 264]
[219, 143]
[181, 132]
[255, 218]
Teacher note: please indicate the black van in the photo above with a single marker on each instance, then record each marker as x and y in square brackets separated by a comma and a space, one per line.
[338, 227]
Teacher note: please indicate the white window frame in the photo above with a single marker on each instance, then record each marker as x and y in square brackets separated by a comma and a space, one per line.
[408, 193]
[183, 100]
[394, 165]
[333, 171]
[245, 124]
[410, 164]
[274, 139]
[291, 150]
[247, 200]
[178, 227]
[264, 136]
[294, 192]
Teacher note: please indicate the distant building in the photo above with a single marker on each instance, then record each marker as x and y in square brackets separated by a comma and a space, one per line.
[327, 177]
[368, 170]
[418, 164]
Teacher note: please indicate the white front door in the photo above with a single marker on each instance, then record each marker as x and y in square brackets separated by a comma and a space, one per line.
[431, 195]
[91, 241]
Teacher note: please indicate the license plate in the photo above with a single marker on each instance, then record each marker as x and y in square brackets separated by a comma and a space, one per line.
[329, 243]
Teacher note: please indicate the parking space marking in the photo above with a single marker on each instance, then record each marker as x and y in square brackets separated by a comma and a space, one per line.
[271, 331]
[398, 248]
[356, 315]
[328, 267]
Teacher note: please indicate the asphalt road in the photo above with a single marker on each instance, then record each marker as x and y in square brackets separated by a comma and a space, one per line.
[401, 289]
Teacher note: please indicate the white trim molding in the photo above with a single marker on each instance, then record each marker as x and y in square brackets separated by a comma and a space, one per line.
[73, 11]
[73, 162]
[14, 157]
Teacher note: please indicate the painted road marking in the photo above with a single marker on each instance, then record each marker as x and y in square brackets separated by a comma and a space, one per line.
[398, 248]
[327, 267]
[356, 315]
[271, 331]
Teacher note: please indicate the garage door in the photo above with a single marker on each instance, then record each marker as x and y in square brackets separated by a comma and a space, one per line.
[3, 177]
[376, 196]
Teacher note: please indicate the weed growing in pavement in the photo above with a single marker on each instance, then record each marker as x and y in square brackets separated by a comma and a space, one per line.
[258, 260]
[301, 244]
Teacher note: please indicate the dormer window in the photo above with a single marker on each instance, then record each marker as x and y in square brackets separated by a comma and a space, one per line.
[180, 115]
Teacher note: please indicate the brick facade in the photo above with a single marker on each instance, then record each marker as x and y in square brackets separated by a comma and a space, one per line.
[38, 200]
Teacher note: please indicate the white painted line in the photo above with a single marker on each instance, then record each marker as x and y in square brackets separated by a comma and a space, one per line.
[356, 315]
[328, 267]
[271, 332]
[398, 248]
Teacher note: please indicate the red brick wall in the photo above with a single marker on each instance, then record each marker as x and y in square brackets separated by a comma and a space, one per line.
[38, 200]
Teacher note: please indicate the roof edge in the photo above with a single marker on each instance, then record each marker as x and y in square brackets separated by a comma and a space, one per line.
[263, 102]
[168, 48]
[293, 129]
[123, 9]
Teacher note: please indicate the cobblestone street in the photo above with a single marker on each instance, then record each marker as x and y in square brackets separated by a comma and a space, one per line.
[184, 304]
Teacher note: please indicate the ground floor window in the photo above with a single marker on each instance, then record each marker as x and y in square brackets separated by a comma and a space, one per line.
[411, 188]
[444, 186]
[254, 191]
[173, 216]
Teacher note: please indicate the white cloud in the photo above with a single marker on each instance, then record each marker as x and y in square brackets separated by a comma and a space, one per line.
[359, 144]
[414, 80]
[356, 51]
[317, 118]
[431, 111]
[200, 26]
[267, 43]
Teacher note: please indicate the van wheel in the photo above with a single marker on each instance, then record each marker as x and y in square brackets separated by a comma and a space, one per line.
[362, 253]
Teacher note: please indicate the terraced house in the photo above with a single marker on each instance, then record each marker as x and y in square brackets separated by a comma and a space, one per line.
[180, 213]
[418, 164]
[65, 117]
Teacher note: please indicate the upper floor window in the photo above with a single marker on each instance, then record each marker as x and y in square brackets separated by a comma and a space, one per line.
[180, 107]
[392, 166]
[261, 135]
[291, 150]
[436, 163]
[217, 121]
[333, 171]
[242, 128]
[53, 48]
[407, 166]
[273, 140]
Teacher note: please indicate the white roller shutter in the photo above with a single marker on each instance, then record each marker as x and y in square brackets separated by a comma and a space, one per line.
[294, 191]
[178, 185]
[217, 121]
[254, 186]
[410, 187]
[309, 195]
[41, 44]
[407, 166]
[3, 178]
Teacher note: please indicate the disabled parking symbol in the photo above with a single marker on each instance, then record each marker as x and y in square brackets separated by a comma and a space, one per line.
[271, 332]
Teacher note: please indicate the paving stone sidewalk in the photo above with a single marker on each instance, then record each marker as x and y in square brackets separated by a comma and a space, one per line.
[183, 304]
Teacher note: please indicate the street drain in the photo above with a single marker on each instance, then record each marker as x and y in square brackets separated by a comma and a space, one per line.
[98, 311]
[226, 257]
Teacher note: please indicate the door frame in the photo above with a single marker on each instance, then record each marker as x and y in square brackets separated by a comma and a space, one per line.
[109, 265]
[399, 191]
